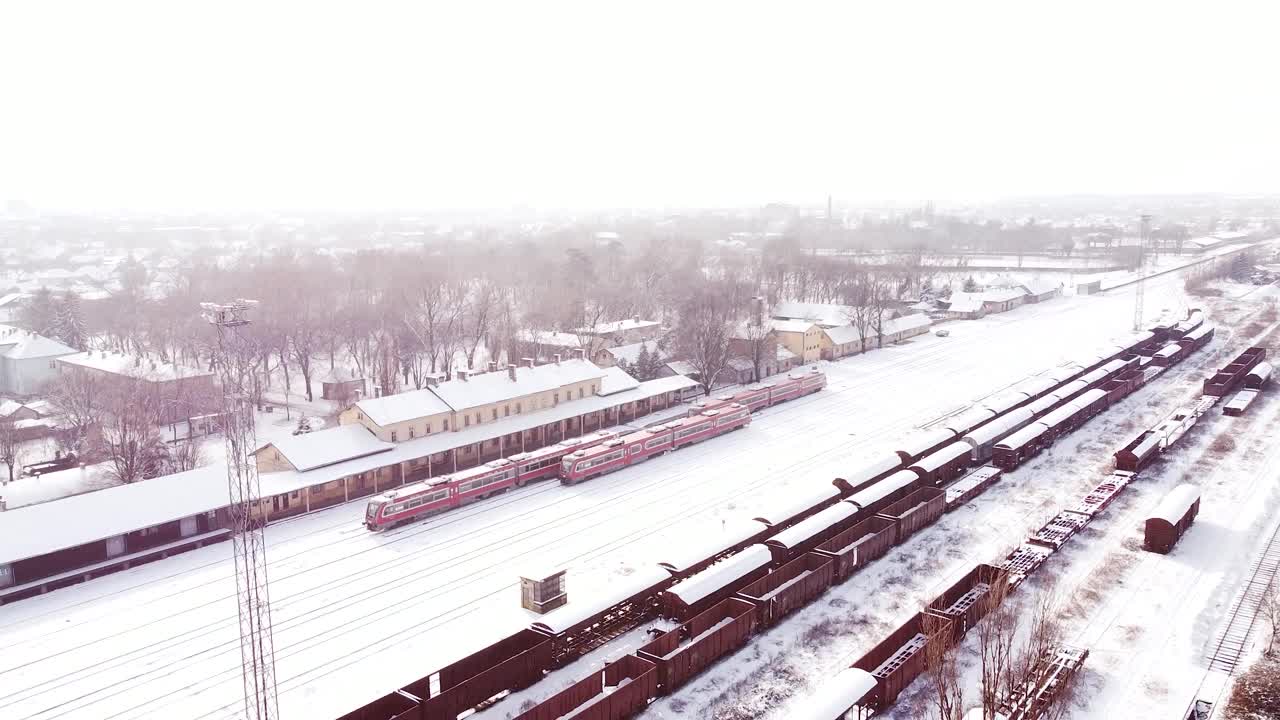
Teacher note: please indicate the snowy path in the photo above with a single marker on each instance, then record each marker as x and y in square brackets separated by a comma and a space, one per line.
[358, 614]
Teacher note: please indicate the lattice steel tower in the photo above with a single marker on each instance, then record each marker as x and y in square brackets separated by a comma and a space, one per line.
[257, 653]
[1144, 234]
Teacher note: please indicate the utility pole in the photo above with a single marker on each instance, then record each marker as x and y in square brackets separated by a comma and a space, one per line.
[1144, 231]
[257, 653]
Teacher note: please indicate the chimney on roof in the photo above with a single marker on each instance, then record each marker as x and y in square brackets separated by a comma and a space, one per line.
[528, 362]
[580, 353]
[557, 356]
[511, 372]
[462, 374]
[493, 366]
[433, 379]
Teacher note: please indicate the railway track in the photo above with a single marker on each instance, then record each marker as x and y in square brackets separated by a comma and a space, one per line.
[1243, 615]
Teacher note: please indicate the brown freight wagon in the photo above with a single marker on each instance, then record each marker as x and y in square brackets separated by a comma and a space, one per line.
[698, 593]
[943, 466]
[1020, 447]
[511, 664]
[858, 546]
[915, 511]
[789, 587]
[1139, 452]
[632, 682]
[970, 599]
[687, 650]
[1171, 518]
[897, 661]
[924, 442]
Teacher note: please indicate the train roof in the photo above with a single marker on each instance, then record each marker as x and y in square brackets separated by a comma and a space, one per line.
[947, 454]
[873, 469]
[564, 446]
[1063, 373]
[1176, 504]
[686, 555]
[1034, 387]
[1169, 350]
[1091, 396]
[807, 528]
[1042, 405]
[1198, 332]
[835, 696]
[1261, 371]
[966, 420]
[1001, 425]
[619, 589]
[723, 573]
[1061, 415]
[918, 443]
[883, 489]
[1003, 401]
[798, 502]
[1023, 436]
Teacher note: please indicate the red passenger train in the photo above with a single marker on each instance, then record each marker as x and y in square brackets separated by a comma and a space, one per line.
[639, 446]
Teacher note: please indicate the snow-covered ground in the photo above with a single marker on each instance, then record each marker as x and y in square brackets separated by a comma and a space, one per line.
[357, 614]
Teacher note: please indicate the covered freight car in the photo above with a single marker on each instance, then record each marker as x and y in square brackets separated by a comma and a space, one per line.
[943, 466]
[895, 486]
[868, 473]
[1139, 453]
[808, 533]
[695, 594]
[839, 698]
[583, 625]
[1171, 518]
[983, 440]
[1258, 377]
[1021, 446]
[732, 538]
[920, 444]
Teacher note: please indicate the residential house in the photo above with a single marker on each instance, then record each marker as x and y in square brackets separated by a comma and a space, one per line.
[544, 346]
[624, 332]
[964, 306]
[11, 306]
[184, 392]
[318, 449]
[801, 337]
[838, 342]
[27, 360]
[1041, 290]
[629, 355]
[341, 384]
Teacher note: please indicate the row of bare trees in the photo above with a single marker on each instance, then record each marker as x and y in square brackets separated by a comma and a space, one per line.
[1012, 638]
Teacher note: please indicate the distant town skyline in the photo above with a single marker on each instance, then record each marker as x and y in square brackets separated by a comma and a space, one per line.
[284, 105]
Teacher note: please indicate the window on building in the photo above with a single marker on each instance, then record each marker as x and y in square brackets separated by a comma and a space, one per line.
[466, 421]
[506, 410]
[495, 413]
[393, 436]
[53, 365]
[517, 408]
[410, 431]
[579, 393]
[555, 398]
[359, 416]
[446, 424]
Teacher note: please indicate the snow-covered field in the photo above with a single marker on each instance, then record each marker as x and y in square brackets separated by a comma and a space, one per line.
[357, 615]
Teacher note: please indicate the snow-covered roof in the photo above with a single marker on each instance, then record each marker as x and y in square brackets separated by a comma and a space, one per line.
[18, 344]
[390, 409]
[1003, 294]
[843, 334]
[132, 366]
[827, 315]
[329, 446]
[551, 338]
[45, 527]
[682, 368]
[1035, 386]
[608, 328]
[631, 353]
[1059, 416]
[1040, 286]
[1023, 436]
[919, 442]
[1262, 371]
[619, 589]
[1169, 350]
[1005, 400]
[339, 374]
[1199, 332]
[723, 573]
[784, 354]
[807, 528]
[970, 418]
[929, 463]
[870, 470]
[12, 298]
[795, 502]
[792, 326]
[884, 488]
[906, 322]
[835, 696]
[1090, 396]
[1176, 503]
[964, 303]
[1001, 425]
[616, 380]
[493, 387]
[685, 556]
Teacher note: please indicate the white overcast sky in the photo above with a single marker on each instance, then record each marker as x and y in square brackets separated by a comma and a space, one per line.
[604, 104]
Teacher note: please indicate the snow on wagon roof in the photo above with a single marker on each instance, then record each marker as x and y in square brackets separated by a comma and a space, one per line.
[1176, 503]
[917, 443]
[618, 590]
[46, 527]
[834, 698]
[966, 420]
[793, 503]
[721, 574]
[1001, 425]
[942, 457]
[872, 469]
[809, 527]
[688, 554]
[884, 488]
[1023, 436]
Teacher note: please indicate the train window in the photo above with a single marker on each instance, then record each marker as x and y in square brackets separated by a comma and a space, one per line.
[393, 436]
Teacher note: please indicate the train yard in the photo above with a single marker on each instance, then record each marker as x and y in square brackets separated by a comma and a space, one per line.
[356, 607]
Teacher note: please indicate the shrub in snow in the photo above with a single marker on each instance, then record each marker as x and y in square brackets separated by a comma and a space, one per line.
[1256, 694]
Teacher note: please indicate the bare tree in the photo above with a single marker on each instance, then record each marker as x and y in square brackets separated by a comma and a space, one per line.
[10, 445]
[130, 435]
[1043, 633]
[995, 637]
[182, 456]
[79, 397]
[702, 337]
[942, 667]
[1270, 608]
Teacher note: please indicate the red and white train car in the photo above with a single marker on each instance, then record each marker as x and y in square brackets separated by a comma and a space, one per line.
[640, 446]
[446, 492]
[756, 397]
